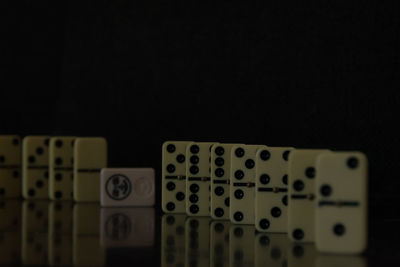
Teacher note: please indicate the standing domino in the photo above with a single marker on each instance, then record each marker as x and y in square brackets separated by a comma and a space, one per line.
[61, 160]
[10, 166]
[220, 180]
[90, 155]
[341, 206]
[35, 167]
[173, 176]
[242, 189]
[198, 179]
[122, 187]
[271, 189]
[301, 210]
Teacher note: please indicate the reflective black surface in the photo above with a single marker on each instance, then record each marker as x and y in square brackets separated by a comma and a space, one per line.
[43, 233]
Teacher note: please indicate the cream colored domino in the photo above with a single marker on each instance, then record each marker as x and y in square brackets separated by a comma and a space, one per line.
[198, 178]
[127, 227]
[35, 167]
[10, 215]
[326, 260]
[34, 232]
[242, 188]
[219, 243]
[90, 155]
[10, 248]
[241, 245]
[341, 204]
[173, 240]
[61, 162]
[271, 249]
[271, 189]
[60, 233]
[10, 166]
[301, 209]
[220, 180]
[87, 249]
[197, 239]
[124, 187]
[173, 180]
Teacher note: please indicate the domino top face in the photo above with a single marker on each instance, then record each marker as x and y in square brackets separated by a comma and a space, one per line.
[341, 203]
[10, 166]
[61, 161]
[173, 176]
[198, 178]
[301, 209]
[242, 188]
[271, 189]
[127, 187]
[220, 180]
[90, 156]
[35, 164]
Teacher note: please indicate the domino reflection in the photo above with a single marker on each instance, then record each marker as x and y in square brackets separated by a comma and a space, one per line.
[197, 240]
[87, 250]
[241, 245]
[10, 234]
[219, 243]
[35, 223]
[173, 240]
[271, 249]
[127, 227]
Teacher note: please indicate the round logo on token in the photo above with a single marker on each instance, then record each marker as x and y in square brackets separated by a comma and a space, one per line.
[118, 227]
[118, 187]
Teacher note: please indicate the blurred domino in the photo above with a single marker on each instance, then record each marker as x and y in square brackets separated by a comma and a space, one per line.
[35, 167]
[61, 160]
[341, 204]
[10, 166]
[90, 155]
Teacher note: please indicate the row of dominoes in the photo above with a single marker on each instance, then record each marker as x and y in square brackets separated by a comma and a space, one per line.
[62, 233]
[66, 167]
[199, 241]
[313, 195]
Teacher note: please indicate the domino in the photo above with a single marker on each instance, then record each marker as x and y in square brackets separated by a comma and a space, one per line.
[127, 187]
[34, 232]
[173, 180]
[173, 240]
[197, 239]
[220, 180]
[90, 155]
[341, 202]
[271, 249]
[242, 189]
[302, 255]
[60, 233]
[241, 245]
[10, 166]
[198, 178]
[87, 249]
[301, 209]
[35, 167]
[271, 189]
[127, 227]
[61, 171]
[219, 243]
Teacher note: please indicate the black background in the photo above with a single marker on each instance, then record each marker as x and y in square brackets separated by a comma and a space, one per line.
[322, 76]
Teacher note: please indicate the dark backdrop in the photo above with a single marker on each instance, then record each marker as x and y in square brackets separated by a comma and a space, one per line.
[325, 76]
